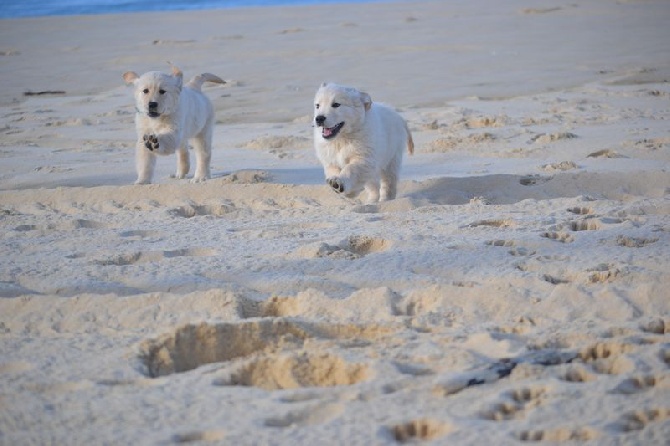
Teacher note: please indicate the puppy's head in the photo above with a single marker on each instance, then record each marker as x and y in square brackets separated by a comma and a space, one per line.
[339, 110]
[156, 93]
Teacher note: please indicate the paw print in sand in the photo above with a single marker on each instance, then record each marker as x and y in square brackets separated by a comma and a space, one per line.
[151, 142]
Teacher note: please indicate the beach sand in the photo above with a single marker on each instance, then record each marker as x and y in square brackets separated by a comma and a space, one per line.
[516, 291]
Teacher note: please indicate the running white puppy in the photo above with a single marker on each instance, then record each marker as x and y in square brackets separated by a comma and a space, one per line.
[170, 117]
[359, 143]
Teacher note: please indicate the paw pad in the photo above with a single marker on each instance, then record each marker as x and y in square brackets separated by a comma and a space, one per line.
[336, 184]
[151, 142]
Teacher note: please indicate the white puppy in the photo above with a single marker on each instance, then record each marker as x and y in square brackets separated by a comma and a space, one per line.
[170, 117]
[359, 143]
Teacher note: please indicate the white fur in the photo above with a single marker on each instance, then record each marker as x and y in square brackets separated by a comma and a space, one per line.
[182, 116]
[367, 151]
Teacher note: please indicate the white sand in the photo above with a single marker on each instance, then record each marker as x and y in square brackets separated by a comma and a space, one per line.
[517, 290]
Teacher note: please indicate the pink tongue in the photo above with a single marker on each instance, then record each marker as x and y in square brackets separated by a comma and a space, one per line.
[327, 132]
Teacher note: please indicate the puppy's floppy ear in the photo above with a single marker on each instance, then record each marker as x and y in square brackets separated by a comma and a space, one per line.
[367, 100]
[176, 72]
[130, 76]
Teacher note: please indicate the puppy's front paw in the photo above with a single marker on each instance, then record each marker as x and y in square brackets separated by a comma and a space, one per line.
[151, 142]
[336, 184]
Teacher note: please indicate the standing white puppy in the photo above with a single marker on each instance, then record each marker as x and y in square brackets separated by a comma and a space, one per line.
[170, 117]
[359, 143]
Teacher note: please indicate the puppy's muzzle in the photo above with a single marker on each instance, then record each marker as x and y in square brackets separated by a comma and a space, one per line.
[153, 110]
[319, 120]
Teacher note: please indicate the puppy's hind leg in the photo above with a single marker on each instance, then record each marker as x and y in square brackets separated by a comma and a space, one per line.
[145, 161]
[183, 163]
[202, 146]
[372, 189]
[389, 179]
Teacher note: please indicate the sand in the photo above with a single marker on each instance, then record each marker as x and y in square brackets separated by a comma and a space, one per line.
[515, 291]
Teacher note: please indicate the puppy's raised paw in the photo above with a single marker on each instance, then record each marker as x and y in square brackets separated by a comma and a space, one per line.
[151, 142]
[336, 184]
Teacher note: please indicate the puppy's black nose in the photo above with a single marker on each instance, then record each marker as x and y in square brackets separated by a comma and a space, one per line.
[320, 120]
[153, 104]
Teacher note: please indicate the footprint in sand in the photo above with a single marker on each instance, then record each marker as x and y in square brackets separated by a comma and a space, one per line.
[354, 247]
[418, 430]
[495, 223]
[515, 404]
[638, 384]
[546, 138]
[639, 419]
[580, 210]
[608, 358]
[153, 256]
[314, 414]
[533, 180]
[558, 236]
[577, 374]
[199, 437]
[634, 242]
[558, 435]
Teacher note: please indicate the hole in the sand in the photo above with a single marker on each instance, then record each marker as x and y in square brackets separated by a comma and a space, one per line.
[196, 344]
[422, 430]
[275, 372]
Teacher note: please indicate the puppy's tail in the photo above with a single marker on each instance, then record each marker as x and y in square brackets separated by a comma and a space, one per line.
[197, 81]
[410, 141]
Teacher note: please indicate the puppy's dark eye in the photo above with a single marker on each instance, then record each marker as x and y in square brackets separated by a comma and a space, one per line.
[145, 91]
[317, 106]
[336, 104]
[161, 91]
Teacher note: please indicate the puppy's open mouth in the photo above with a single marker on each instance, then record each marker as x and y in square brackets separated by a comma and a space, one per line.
[331, 132]
[153, 114]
